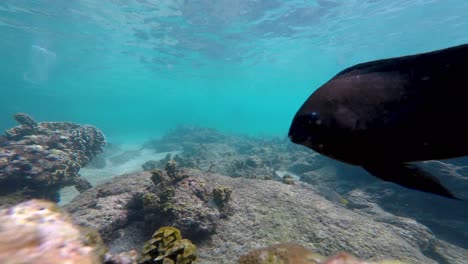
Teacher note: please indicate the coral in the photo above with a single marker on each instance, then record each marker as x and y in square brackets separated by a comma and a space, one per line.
[180, 201]
[290, 253]
[288, 179]
[41, 158]
[159, 177]
[221, 196]
[167, 247]
[36, 232]
[171, 169]
[170, 176]
[25, 120]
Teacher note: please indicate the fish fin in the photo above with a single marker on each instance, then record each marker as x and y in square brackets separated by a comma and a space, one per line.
[409, 176]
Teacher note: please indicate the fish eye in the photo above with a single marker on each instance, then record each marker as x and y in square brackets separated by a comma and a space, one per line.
[314, 118]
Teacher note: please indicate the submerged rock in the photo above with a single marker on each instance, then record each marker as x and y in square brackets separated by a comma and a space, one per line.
[297, 254]
[38, 159]
[262, 213]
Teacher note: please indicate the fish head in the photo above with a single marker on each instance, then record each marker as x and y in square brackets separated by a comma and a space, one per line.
[327, 122]
[311, 124]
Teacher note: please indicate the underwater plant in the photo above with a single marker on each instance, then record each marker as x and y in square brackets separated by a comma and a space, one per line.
[166, 246]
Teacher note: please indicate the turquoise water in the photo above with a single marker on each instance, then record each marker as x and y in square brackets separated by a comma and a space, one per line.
[136, 69]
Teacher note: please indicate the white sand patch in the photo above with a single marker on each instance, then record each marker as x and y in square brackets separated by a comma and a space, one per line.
[99, 176]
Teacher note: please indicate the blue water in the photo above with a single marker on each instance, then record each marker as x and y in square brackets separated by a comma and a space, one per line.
[136, 69]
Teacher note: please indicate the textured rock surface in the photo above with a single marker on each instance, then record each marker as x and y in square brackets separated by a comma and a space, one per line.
[37, 159]
[297, 254]
[262, 213]
[36, 232]
[258, 158]
[109, 207]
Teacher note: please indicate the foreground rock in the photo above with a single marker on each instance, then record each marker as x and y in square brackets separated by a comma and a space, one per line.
[297, 254]
[260, 213]
[36, 232]
[38, 159]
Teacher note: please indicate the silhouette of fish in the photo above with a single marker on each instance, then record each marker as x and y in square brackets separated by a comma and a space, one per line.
[383, 114]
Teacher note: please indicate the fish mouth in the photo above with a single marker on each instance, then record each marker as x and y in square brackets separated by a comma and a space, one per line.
[298, 139]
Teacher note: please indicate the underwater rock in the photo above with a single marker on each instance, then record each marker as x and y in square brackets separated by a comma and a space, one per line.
[234, 156]
[444, 218]
[155, 164]
[36, 232]
[269, 212]
[180, 201]
[297, 254]
[189, 138]
[155, 198]
[190, 211]
[110, 206]
[306, 165]
[253, 161]
[37, 159]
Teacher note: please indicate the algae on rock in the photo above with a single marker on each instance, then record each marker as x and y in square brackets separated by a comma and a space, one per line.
[167, 247]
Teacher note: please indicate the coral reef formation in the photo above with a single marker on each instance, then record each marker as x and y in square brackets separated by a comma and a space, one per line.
[290, 253]
[37, 159]
[37, 232]
[166, 246]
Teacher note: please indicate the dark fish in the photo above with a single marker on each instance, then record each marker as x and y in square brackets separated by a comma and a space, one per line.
[383, 114]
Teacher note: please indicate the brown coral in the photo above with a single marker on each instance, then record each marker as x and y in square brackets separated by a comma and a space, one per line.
[167, 247]
[221, 196]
